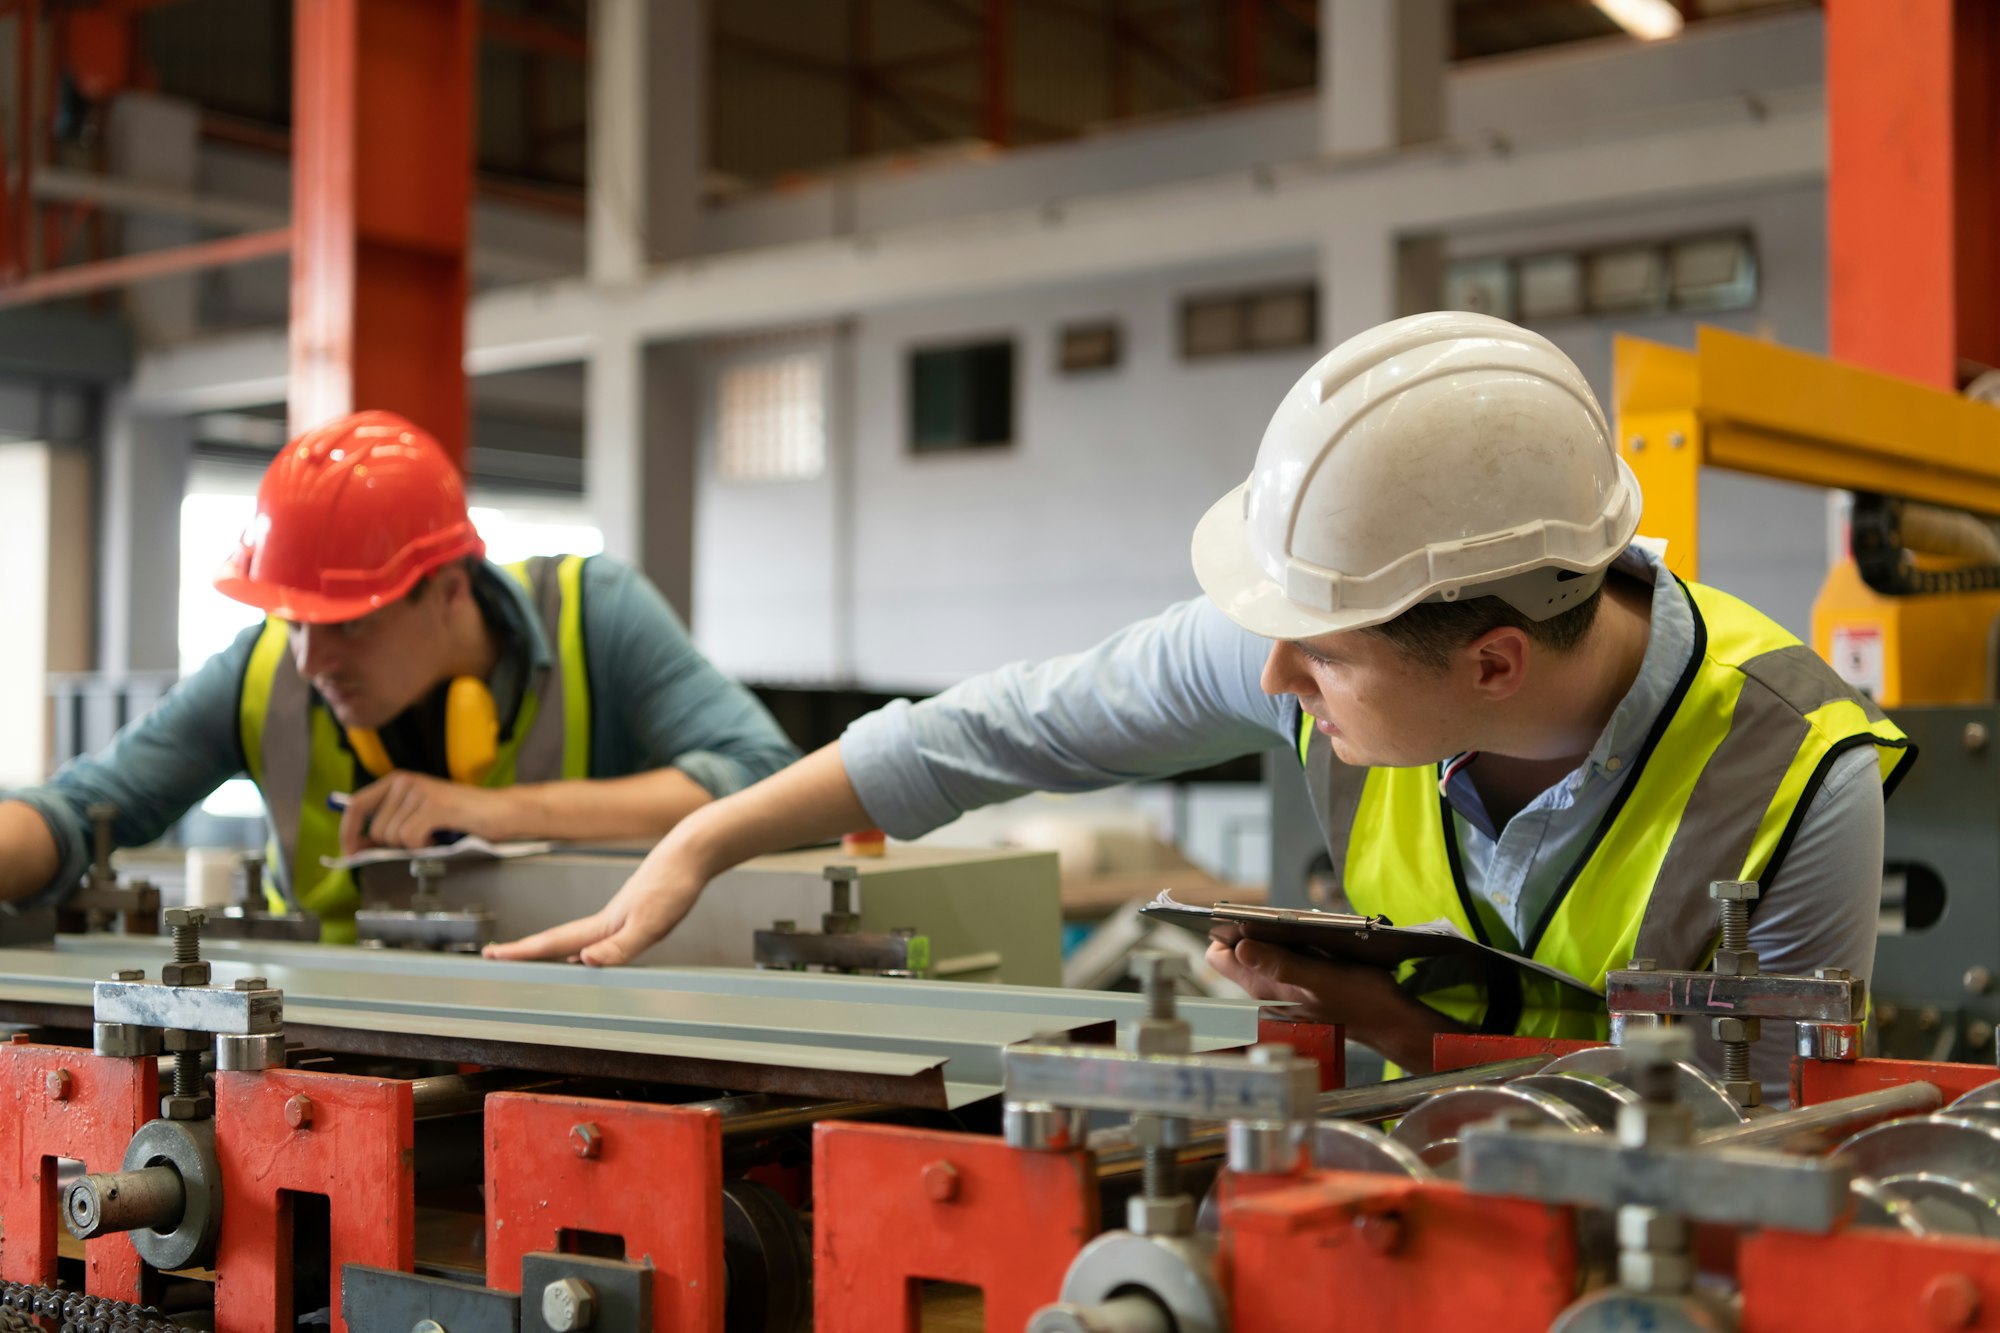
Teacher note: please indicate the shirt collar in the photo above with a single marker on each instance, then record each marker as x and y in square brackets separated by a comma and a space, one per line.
[524, 646]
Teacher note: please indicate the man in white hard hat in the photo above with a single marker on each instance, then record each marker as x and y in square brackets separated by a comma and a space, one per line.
[1510, 715]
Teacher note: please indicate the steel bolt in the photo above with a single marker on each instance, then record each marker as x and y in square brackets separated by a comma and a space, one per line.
[1833, 974]
[299, 1111]
[1677, 440]
[1928, 1019]
[585, 1140]
[1643, 965]
[1380, 1232]
[129, 974]
[1638, 444]
[1157, 973]
[252, 983]
[568, 1303]
[1976, 737]
[1952, 1301]
[940, 1181]
[1978, 1035]
[1978, 979]
[59, 1084]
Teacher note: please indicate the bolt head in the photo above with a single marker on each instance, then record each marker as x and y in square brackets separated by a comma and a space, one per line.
[1951, 1301]
[586, 1141]
[1833, 974]
[184, 974]
[178, 1040]
[59, 1084]
[1380, 1232]
[1737, 1029]
[1744, 1092]
[1979, 1034]
[299, 1111]
[1642, 1228]
[1160, 1131]
[252, 983]
[1978, 979]
[1658, 1046]
[568, 1304]
[1643, 965]
[1157, 967]
[1976, 737]
[185, 917]
[129, 974]
[1735, 963]
[940, 1180]
[1733, 890]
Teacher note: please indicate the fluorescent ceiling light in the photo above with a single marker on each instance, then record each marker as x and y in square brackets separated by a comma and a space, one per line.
[1648, 20]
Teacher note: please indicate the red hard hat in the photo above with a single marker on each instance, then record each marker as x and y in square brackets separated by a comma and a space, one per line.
[349, 516]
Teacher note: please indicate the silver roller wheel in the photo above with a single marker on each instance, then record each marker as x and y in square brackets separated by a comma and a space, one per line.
[1878, 1207]
[1711, 1103]
[1982, 1103]
[1615, 1310]
[1342, 1145]
[1595, 1095]
[1432, 1128]
[1946, 1167]
[1177, 1275]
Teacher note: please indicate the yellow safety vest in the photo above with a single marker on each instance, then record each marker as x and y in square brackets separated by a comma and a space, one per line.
[298, 756]
[1717, 791]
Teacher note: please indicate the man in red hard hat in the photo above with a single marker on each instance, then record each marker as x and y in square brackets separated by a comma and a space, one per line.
[401, 674]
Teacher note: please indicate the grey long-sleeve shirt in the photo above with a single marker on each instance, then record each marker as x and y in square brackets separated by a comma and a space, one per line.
[1181, 691]
[656, 702]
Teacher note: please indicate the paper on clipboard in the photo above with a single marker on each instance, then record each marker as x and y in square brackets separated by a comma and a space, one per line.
[470, 847]
[1358, 938]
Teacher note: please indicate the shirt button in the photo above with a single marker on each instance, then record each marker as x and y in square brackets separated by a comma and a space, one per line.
[1614, 763]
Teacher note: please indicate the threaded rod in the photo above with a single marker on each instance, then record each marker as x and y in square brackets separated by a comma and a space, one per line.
[1736, 1061]
[1735, 925]
[1162, 1173]
[187, 1074]
[187, 944]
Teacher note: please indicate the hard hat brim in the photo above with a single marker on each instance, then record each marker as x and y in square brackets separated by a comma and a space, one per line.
[301, 605]
[1245, 593]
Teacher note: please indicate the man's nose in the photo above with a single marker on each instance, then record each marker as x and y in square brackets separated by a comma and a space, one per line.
[312, 650]
[1283, 672]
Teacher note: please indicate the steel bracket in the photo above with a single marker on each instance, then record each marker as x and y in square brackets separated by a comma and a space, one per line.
[382, 1300]
[624, 1292]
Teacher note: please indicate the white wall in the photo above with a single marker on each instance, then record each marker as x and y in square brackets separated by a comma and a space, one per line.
[45, 547]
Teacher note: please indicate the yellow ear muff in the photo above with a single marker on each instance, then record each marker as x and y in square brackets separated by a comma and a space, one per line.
[368, 748]
[471, 730]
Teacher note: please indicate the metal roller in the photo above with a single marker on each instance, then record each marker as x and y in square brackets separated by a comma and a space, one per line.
[1341, 1145]
[1945, 1167]
[1595, 1095]
[1711, 1103]
[1431, 1130]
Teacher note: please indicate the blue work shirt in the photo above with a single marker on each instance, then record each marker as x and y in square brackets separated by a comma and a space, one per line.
[656, 702]
[1180, 691]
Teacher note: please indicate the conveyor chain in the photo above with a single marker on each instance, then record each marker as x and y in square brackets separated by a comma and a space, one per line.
[1886, 566]
[25, 1308]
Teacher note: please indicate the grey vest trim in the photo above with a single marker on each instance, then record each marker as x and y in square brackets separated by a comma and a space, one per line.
[284, 763]
[1798, 676]
[287, 748]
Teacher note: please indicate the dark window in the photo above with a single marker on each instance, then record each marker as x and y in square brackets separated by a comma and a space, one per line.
[962, 397]
[1239, 323]
[1085, 347]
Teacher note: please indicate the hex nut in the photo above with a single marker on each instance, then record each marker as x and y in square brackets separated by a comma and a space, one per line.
[1654, 1125]
[1833, 974]
[1155, 1036]
[568, 1304]
[1744, 1092]
[1650, 1273]
[1155, 965]
[129, 974]
[184, 917]
[59, 1084]
[187, 1108]
[1160, 1131]
[1642, 1228]
[184, 974]
[1735, 962]
[183, 1039]
[1952, 1301]
[1643, 965]
[1733, 890]
[252, 983]
[586, 1140]
[1171, 1216]
[299, 1111]
[1738, 1029]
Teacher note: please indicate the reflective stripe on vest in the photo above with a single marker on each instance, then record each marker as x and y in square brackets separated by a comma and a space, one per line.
[1717, 791]
[298, 756]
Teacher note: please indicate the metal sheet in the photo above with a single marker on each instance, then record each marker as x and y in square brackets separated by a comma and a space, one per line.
[897, 1040]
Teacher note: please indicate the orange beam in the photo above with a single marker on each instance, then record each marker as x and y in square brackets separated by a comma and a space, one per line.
[107, 274]
[381, 196]
[1913, 116]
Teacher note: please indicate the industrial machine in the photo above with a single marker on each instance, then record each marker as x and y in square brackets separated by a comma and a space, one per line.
[252, 1135]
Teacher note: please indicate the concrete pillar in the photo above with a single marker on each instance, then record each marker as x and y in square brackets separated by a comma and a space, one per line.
[45, 544]
[1382, 67]
[648, 133]
[155, 140]
[648, 159]
[142, 477]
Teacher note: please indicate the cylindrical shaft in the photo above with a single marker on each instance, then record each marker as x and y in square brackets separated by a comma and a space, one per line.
[1735, 925]
[151, 1197]
[1162, 1179]
[1806, 1127]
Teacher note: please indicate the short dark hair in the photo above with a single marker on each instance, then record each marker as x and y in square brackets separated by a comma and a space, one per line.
[1430, 632]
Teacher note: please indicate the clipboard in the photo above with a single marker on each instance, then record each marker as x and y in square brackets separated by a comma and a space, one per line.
[1340, 936]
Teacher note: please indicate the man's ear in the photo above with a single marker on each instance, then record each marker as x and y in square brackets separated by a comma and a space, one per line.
[1499, 662]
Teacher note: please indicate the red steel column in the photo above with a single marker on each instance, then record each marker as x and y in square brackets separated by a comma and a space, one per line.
[381, 196]
[1913, 118]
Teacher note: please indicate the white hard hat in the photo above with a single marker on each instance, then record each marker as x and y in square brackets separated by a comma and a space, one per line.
[1431, 458]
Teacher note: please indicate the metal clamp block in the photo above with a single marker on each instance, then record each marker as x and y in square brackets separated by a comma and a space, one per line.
[1203, 1087]
[1709, 995]
[195, 1008]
